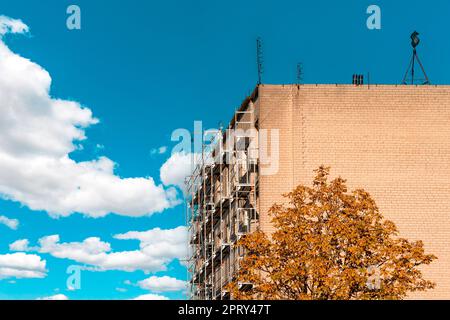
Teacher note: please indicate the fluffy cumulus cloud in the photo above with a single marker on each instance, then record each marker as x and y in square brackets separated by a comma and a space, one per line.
[22, 265]
[8, 25]
[38, 134]
[162, 284]
[176, 169]
[157, 249]
[151, 296]
[19, 245]
[58, 296]
[10, 223]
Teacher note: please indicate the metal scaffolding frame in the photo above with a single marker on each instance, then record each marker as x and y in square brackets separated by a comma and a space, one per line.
[222, 205]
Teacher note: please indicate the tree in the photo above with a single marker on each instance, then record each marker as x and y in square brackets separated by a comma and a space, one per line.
[329, 244]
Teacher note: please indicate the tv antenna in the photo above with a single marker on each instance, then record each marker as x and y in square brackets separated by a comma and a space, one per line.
[259, 59]
[299, 72]
[410, 72]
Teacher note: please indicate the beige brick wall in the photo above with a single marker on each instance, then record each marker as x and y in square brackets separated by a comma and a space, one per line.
[393, 141]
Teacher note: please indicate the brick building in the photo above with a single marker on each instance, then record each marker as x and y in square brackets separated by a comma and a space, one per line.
[393, 141]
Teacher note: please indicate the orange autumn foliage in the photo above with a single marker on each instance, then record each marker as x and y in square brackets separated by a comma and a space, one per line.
[330, 244]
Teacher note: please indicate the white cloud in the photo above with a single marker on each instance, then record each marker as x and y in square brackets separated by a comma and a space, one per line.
[157, 248]
[9, 25]
[150, 296]
[10, 223]
[20, 245]
[162, 284]
[38, 134]
[22, 265]
[58, 296]
[160, 150]
[175, 170]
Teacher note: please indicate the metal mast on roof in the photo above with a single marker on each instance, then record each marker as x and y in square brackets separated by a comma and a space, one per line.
[259, 59]
[411, 67]
[299, 73]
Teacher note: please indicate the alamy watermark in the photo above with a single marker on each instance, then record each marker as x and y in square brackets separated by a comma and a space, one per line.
[73, 21]
[215, 145]
[374, 20]
[74, 279]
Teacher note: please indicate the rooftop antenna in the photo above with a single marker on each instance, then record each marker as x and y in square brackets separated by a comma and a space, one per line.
[411, 67]
[259, 59]
[299, 73]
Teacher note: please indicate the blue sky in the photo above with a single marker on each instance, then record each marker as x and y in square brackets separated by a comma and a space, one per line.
[145, 68]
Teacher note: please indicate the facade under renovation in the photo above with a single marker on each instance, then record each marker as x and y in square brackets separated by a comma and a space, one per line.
[223, 204]
[393, 141]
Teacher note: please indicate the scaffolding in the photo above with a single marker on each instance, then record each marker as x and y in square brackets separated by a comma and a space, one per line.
[221, 206]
